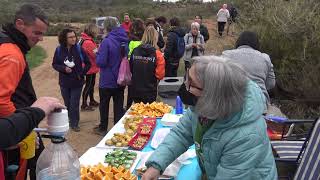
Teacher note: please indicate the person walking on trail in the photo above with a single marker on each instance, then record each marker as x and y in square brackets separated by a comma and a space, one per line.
[109, 58]
[175, 47]
[68, 60]
[222, 18]
[16, 89]
[258, 65]
[203, 29]
[194, 45]
[135, 36]
[232, 20]
[126, 24]
[148, 68]
[90, 48]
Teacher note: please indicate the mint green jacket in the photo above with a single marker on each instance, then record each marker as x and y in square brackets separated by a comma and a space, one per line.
[234, 148]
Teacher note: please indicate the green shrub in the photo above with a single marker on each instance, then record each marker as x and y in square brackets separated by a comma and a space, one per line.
[36, 56]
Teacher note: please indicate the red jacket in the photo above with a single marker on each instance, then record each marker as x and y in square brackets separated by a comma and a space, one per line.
[126, 26]
[90, 47]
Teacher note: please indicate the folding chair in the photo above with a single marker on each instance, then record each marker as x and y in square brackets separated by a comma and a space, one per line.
[299, 152]
[288, 149]
[309, 167]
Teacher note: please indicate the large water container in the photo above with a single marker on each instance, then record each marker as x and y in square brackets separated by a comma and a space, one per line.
[58, 161]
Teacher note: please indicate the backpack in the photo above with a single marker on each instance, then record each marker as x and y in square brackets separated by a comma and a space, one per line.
[181, 46]
[233, 12]
[78, 48]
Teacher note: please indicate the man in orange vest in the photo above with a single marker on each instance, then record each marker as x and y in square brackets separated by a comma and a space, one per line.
[16, 90]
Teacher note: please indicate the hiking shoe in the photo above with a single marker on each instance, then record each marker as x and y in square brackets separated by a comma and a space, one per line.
[75, 129]
[99, 131]
[86, 108]
[94, 103]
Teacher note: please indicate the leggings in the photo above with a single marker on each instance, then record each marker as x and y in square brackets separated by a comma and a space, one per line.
[89, 88]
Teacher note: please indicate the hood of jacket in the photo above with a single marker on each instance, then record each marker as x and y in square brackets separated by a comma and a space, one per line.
[118, 34]
[178, 30]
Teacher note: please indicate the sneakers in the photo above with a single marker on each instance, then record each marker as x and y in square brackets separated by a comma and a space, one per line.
[75, 129]
[94, 103]
[86, 108]
[99, 131]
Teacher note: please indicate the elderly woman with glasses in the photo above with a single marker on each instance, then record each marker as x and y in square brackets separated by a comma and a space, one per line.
[224, 122]
[194, 44]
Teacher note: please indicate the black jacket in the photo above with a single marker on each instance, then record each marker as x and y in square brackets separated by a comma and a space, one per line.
[170, 52]
[24, 95]
[143, 66]
[204, 32]
[15, 128]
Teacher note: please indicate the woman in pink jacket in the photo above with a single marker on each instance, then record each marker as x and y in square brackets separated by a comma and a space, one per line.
[90, 47]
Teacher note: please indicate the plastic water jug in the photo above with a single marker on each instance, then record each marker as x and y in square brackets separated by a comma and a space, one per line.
[58, 161]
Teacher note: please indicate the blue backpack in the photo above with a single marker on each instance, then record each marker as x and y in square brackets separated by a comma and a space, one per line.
[78, 48]
[181, 46]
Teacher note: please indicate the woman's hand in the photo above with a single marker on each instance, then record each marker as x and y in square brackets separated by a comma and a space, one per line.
[151, 174]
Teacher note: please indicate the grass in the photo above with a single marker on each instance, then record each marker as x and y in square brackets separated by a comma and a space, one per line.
[36, 56]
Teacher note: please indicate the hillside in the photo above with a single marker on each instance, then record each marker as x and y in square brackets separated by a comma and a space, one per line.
[84, 10]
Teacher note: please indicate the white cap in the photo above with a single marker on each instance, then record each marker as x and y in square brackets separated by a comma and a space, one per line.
[58, 123]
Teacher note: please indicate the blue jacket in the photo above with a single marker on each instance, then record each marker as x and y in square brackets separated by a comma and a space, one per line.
[75, 79]
[109, 57]
[234, 148]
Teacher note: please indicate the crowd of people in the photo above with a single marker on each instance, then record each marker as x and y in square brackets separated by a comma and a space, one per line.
[226, 95]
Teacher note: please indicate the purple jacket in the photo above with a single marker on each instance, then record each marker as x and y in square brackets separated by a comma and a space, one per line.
[109, 57]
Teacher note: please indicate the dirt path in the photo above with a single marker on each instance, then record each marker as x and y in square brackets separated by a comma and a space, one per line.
[45, 81]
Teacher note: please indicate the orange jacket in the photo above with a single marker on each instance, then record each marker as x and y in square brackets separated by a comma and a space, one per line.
[160, 69]
[12, 66]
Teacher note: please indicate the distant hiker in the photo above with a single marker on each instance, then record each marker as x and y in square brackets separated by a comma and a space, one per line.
[194, 44]
[126, 24]
[135, 36]
[233, 15]
[222, 18]
[90, 48]
[148, 68]
[203, 29]
[175, 47]
[108, 59]
[72, 63]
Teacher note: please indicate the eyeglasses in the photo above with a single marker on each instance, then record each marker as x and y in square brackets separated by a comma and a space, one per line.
[189, 83]
[71, 37]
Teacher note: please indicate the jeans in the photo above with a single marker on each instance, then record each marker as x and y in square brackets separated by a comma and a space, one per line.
[71, 97]
[172, 69]
[88, 88]
[117, 95]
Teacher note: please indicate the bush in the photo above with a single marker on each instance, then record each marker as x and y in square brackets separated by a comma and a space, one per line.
[289, 33]
[36, 56]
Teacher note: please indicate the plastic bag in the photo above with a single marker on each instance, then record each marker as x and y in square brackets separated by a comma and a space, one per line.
[124, 76]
